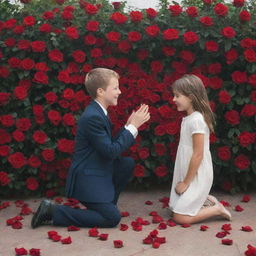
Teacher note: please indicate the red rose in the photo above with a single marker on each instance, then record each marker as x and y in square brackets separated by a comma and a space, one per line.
[118, 243]
[238, 3]
[224, 97]
[143, 153]
[124, 46]
[18, 30]
[252, 80]
[18, 136]
[48, 155]
[187, 56]
[29, 21]
[41, 78]
[232, 117]
[38, 46]
[92, 25]
[248, 110]
[17, 160]
[4, 72]
[27, 64]
[7, 120]
[14, 62]
[153, 30]
[134, 36]
[245, 139]
[23, 44]
[190, 37]
[45, 28]
[20, 92]
[38, 110]
[247, 43]
[156, 66]
[10, 42]
[68, 94]
[64, 76]
[175, 10]
[139, 171]
[4, 179]
[250, 55]
[160, 149]
[161, 171]
[211, 46]
[23, 124]
[9, 24]
[113, 36]
[4, 150]
[224, 153]
[68, 119]
[67, 15]
[172, 128]
[48, 15]
[51, 97]
[96, 53]
[206, 21]
[231, 56]
[171, 34]
[34, 161]
[244, 16]
[136, 16]
[32, 183]
[220, 9]
[239, 77]
[66, 146]
[79, 56]
[90, 9]
[4, 98]
[228, 32]
[118, 18]
[40, 137]
[72, 32]
[54, 116]
[192, 11]
[151, 13]
[55, 55]
[242, 162]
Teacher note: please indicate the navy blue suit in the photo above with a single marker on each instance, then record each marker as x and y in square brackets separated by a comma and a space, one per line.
[98, 173]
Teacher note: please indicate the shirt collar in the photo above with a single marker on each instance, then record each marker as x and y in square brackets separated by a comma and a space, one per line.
[104, 110]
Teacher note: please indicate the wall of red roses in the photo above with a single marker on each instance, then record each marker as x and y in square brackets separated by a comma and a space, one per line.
[47, 48]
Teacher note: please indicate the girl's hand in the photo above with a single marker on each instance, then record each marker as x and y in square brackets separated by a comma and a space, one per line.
[181, 187]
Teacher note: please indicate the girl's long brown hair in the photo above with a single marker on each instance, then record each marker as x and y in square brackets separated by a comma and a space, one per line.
[192, 86]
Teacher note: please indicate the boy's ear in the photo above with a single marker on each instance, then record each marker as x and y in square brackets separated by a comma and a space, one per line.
[99, 91]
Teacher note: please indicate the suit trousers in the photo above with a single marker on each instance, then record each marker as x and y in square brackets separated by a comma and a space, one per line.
[98, 214]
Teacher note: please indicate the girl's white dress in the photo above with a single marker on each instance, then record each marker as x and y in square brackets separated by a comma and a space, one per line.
[190, 202]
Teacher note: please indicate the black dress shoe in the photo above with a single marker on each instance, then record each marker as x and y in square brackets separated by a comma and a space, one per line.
[43, 214]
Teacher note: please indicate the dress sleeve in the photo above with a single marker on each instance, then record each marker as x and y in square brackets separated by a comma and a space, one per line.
[198, 126]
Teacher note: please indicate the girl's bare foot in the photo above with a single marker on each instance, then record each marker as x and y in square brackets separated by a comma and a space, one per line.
[224, 212]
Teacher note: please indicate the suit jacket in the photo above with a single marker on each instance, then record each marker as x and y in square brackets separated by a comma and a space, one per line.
[90, 175]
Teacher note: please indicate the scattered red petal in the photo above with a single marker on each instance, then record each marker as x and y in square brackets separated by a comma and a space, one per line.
[52, 233]
[118, 243]
[125, 214]
[162, 225]
[251, 250]
[157, 219]
[103, 237]
[59, 200]
[21, 251]
[226, 227]
[93, 232]
[148, 202]
[238, 208]
[153, 213]
[185, 225]
[148, 240]
[156, 245]
[17, 225]
[221, 234]
[203, 227]
[34, 252]
[227, 241]
[123, 227]
[171, 223]
[66, 240]
[160, 240]
[56, 238]
[246, 228]
[153, 233]
[225, 203]
[19, 203]
[4, 205]
[246, 198]
[73, 228]
[25, 210]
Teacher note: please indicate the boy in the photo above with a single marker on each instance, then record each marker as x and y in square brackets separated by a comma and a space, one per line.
[98, 173]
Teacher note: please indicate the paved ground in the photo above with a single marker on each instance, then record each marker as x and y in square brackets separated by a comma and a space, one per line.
[180, 241]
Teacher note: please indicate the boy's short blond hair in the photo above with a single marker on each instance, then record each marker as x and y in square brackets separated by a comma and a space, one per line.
[98, 78]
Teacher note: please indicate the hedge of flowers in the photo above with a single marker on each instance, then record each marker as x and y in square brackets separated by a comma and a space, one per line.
[46, 49]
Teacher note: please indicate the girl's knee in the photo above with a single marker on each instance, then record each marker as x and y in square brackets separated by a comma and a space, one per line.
[181, 219]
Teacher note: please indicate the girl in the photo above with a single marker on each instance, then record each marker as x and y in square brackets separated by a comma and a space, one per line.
[193, 171]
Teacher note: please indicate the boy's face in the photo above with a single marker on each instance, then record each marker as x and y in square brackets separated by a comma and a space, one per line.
[110, 95]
